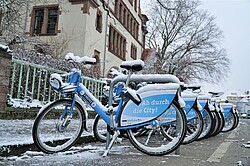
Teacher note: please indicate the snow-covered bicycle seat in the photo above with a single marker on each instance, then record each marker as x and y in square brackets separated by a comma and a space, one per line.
[216, 94]
[134, 65]
[77, 59]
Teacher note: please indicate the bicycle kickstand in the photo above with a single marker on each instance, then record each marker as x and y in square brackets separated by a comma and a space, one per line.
[114, 137]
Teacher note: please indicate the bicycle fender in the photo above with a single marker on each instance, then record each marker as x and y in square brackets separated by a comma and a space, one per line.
[44, 107]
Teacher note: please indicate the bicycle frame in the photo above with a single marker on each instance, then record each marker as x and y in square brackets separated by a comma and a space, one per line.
[82, 93]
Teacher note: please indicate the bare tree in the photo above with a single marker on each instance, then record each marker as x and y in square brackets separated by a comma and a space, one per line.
[188, 39]
[12, 15]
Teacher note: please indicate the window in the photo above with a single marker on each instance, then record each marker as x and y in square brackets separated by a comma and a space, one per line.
[44, 20]
[123, 14]
[52, 21]
[117, 43]
[135, 5]
[96, 68]
[38, 21]
[133, 53]
[99, 21]
[120, 11]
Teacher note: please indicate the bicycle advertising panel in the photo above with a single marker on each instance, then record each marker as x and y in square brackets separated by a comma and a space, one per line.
[188, 108]
[154, 103]
[226, 107]
[203, 103]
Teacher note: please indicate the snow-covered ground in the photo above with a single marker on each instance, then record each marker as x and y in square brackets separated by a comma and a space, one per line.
[18, 132]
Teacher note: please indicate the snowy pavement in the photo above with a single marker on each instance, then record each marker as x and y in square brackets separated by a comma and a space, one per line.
[18, 132]
[208, 152]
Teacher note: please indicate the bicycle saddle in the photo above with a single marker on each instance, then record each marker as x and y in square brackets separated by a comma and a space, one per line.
[216, 94]
[193, 87]
[134, 65]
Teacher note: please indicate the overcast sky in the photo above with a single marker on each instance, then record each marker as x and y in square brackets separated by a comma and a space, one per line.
[233, 18]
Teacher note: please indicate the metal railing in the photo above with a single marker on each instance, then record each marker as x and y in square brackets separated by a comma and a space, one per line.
[32, 81]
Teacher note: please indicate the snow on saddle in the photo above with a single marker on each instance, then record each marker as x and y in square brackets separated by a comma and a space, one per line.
[134, 65]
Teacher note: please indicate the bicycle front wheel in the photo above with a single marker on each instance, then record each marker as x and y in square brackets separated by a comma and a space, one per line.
[163, 138]
[230, 121]
[54, 131]
[209, 124]
[194, 125]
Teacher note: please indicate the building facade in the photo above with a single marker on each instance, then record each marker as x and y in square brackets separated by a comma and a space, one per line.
[109, 30]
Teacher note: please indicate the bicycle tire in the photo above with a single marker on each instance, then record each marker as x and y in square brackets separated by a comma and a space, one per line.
[159, 144]
[230, 122]
[194, 126]
[100, 129]
[222, 123]
[49, 135]
[237, 118]
[209, 124]
[218, 124]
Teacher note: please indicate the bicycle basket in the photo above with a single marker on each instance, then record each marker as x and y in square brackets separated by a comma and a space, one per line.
[55, 82]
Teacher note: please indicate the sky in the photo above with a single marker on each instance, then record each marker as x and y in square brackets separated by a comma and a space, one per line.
[233, 18]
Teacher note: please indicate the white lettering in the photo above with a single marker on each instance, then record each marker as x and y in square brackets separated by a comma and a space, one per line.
[160, 102]
[145, 102]
[149, 110]
[137, 111]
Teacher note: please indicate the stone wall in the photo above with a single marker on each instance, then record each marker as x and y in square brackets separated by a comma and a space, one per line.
[5, 69]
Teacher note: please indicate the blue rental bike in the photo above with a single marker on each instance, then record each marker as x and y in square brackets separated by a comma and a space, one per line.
[193, 110]
[156, 108]
[230, 115]
[208, 117]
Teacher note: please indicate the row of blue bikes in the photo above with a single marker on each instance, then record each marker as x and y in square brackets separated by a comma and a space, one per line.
[156, 113]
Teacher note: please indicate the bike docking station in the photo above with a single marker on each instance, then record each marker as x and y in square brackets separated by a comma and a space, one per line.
[138, 78]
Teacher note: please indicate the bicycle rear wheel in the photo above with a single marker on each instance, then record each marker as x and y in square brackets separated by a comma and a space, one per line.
[163, 138]
[52, 132]
[100, 129]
